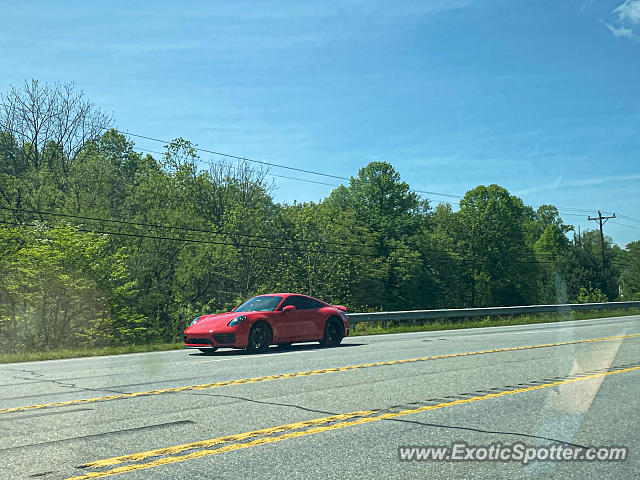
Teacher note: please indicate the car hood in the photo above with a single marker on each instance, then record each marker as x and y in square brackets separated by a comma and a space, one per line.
[209, 322]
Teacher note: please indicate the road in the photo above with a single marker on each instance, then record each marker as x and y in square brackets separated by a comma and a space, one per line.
[309, 412]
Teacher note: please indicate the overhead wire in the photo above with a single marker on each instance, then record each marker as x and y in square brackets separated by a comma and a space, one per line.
[329, 175]
[272, 164]
[235, 233]
[266, 247]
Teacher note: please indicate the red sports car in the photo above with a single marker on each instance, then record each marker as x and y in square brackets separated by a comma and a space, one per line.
[277, 318]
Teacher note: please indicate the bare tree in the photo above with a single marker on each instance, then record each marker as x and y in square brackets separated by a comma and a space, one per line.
[46, 121]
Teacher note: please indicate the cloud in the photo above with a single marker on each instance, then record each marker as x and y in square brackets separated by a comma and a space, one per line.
[621, 32]
[557, 182]
[629, 10]
[628, 16]
[585, 182]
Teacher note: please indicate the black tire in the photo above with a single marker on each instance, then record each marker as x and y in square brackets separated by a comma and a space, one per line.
[333, 333]
[208, 351]
[260, 337]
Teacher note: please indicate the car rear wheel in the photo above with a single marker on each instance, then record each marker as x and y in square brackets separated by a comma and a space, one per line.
[208, 351]
[333, 333]
[260, 338]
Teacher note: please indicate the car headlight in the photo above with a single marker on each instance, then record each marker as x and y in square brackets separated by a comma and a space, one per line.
[237, 321]
[194, 321]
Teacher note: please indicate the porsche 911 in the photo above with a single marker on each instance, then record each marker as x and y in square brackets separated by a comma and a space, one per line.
[278, 318]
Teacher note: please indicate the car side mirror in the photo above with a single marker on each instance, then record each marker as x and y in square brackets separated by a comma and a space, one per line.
[288, 308]
[341, 307]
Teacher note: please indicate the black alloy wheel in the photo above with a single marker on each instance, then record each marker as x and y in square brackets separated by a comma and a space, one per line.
[259, 338]
[333, 333]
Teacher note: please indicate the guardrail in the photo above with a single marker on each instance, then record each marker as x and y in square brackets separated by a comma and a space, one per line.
[414, 315]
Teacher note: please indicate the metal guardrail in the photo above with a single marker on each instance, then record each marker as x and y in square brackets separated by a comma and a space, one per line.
[412, 315]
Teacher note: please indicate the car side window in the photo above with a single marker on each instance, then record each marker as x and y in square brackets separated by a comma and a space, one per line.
[310, 303]
[296, 301]
[302, 303]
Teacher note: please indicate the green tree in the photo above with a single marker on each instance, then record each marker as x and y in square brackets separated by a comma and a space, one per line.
[394, 217]
[492, 240]
[630, 278]
[62, 288]
[44, 130]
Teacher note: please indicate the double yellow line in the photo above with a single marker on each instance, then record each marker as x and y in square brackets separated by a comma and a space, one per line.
[283, 376]
[293, 430]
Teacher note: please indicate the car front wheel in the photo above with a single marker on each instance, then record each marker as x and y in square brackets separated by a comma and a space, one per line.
[260, 338]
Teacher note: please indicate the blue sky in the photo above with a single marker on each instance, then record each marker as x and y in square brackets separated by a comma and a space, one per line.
[540, 97]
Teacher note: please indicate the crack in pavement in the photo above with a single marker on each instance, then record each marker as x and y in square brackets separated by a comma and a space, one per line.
[415, 422]
[103, 434]
[65, 384]
[245, 399]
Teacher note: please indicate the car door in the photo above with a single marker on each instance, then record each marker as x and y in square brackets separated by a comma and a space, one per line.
[292, 322]
[314, 320]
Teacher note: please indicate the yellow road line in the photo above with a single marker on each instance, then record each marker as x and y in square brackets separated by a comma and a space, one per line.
[282, 376]
[366, 417]
[228, 438]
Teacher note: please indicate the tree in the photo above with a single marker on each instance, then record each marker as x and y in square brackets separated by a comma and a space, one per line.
[442, 246]
[50, 122]
[393, 216]
[381, 201]
[492, 240]
[581, 266]
[44, 131]
[630, 279]
[62, 288]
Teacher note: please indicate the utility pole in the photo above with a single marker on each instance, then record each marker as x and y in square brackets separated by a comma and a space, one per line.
[600, 219]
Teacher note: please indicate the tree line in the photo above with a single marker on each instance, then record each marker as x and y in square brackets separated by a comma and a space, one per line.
[101, 244]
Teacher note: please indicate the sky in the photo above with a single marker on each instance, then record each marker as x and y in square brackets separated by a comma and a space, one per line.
[540, 97]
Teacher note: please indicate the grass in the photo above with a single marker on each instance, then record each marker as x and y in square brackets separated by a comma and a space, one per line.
[363, 328]
[86, 352]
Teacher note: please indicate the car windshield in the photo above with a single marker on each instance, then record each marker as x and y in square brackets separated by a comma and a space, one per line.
[266, 303]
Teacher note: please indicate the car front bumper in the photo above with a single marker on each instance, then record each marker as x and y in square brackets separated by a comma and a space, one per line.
[214, 340]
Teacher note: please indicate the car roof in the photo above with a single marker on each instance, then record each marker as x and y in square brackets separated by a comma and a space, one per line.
[288, 295]
[277, 294]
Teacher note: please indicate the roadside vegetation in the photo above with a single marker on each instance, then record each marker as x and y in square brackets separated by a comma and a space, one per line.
[103, 246]
[56, 354]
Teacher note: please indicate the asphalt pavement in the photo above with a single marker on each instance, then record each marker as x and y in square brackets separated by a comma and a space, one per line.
[311, 412]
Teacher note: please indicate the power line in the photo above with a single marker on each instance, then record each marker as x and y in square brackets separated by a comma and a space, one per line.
[628, 218]
[273, 247]
[247, 159]
[249, 170]
[625, 225]
[191, 240]
[200, 160]
[270, 164]
[172, 227]
[427, 192]
[261, 237]
[236, 157]
[312, 172]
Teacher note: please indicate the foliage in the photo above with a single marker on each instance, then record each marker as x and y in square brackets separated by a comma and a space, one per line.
[102, 245]
[630, 278]
[62, 288]
[592, 295]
